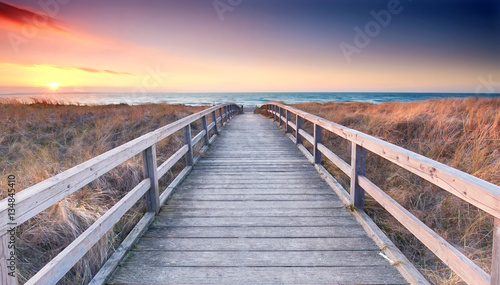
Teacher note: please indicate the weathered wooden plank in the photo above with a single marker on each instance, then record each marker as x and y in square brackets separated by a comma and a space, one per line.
[147, 259]
[198, 137]
[206, 139]
[188, 142]
[307, 136]
[162, 221]
[256, 204]
[150, 171]
[358, 162]
[258, 275]
[495, 262]
[318, 138]
[117, 256]
[64, 261]
[255, 197]
[171, 161]
[256, 244]
[8, 272]
[330, 212]
[255, 232]
[340, 163]
[465, 268]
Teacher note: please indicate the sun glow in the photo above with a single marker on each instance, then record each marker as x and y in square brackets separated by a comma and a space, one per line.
[53, 85]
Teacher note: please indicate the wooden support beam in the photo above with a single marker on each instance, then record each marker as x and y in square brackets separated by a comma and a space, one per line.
[495, 262]
[287, 129]
[214, 118]
[187, 141]
[151, 171]
[206, 138]
[221, 118]
[318, 139]
[280, 116]
[298, 136]
[358, 167]
[7, 261]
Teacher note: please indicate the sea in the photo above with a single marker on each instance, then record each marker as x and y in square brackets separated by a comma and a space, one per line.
[248, 99]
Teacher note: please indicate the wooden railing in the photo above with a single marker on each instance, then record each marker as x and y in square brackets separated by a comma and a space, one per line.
[473, 190]
[39, 197]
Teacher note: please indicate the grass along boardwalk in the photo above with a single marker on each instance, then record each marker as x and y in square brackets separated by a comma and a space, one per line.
[254, 210]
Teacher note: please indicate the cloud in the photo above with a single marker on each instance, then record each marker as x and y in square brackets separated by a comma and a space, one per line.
[18, 16]
[93, 70]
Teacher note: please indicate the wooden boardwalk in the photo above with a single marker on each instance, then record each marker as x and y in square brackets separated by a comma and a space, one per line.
[254, 210]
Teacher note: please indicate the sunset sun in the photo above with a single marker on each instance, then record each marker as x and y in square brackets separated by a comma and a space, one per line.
[53, 85]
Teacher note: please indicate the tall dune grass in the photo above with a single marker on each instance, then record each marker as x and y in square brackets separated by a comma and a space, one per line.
[42, 139]
[462, 133]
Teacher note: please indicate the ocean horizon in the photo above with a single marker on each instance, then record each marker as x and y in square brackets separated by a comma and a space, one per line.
[248, 99]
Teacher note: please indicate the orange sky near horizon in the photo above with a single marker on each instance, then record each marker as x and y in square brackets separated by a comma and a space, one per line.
[191, 49]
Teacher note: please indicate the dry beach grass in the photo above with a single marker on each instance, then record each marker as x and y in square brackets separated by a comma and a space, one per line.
[45, 138]
[462, 133]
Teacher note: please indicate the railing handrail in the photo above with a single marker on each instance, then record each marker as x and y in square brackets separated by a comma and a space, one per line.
[37, 198]
[471, 189]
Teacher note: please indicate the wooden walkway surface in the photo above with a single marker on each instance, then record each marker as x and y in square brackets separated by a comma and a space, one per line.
[254, 211]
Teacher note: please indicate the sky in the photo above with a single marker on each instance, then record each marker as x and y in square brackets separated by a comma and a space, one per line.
[250, 45]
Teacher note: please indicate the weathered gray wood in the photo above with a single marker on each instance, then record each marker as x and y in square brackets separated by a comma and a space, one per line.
[164, 221]
[117, 256]
[256, 259]
[287, 129]
[495, 262]
[255, 232]
[255, 197]
[188, 142]
[206, 138]
[150, 171]
[318, 139]
[255, 204]
[358, 168]
[307, 136]
[286, 212]
[66, 259]
[256, 244]
[221, 118]
[214, 119]
[6, 263]
[165, 167]
[340, 163]
[198, 137]
[298, 127]
[257, 275]
[465, 268]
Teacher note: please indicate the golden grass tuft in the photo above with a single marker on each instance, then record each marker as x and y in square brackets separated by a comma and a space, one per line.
[43, 138]
[462, 133]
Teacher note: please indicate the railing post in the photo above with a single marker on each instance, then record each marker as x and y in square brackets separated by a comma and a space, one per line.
[206, 138]
[225, 113]
[150, 171]
[188, 142]
[495, 259]
[298, 137]
[214, 119]
[280, 116]
[221, 119]
[287, 129]
[6, 266]
[358, 167]
[318, 137]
